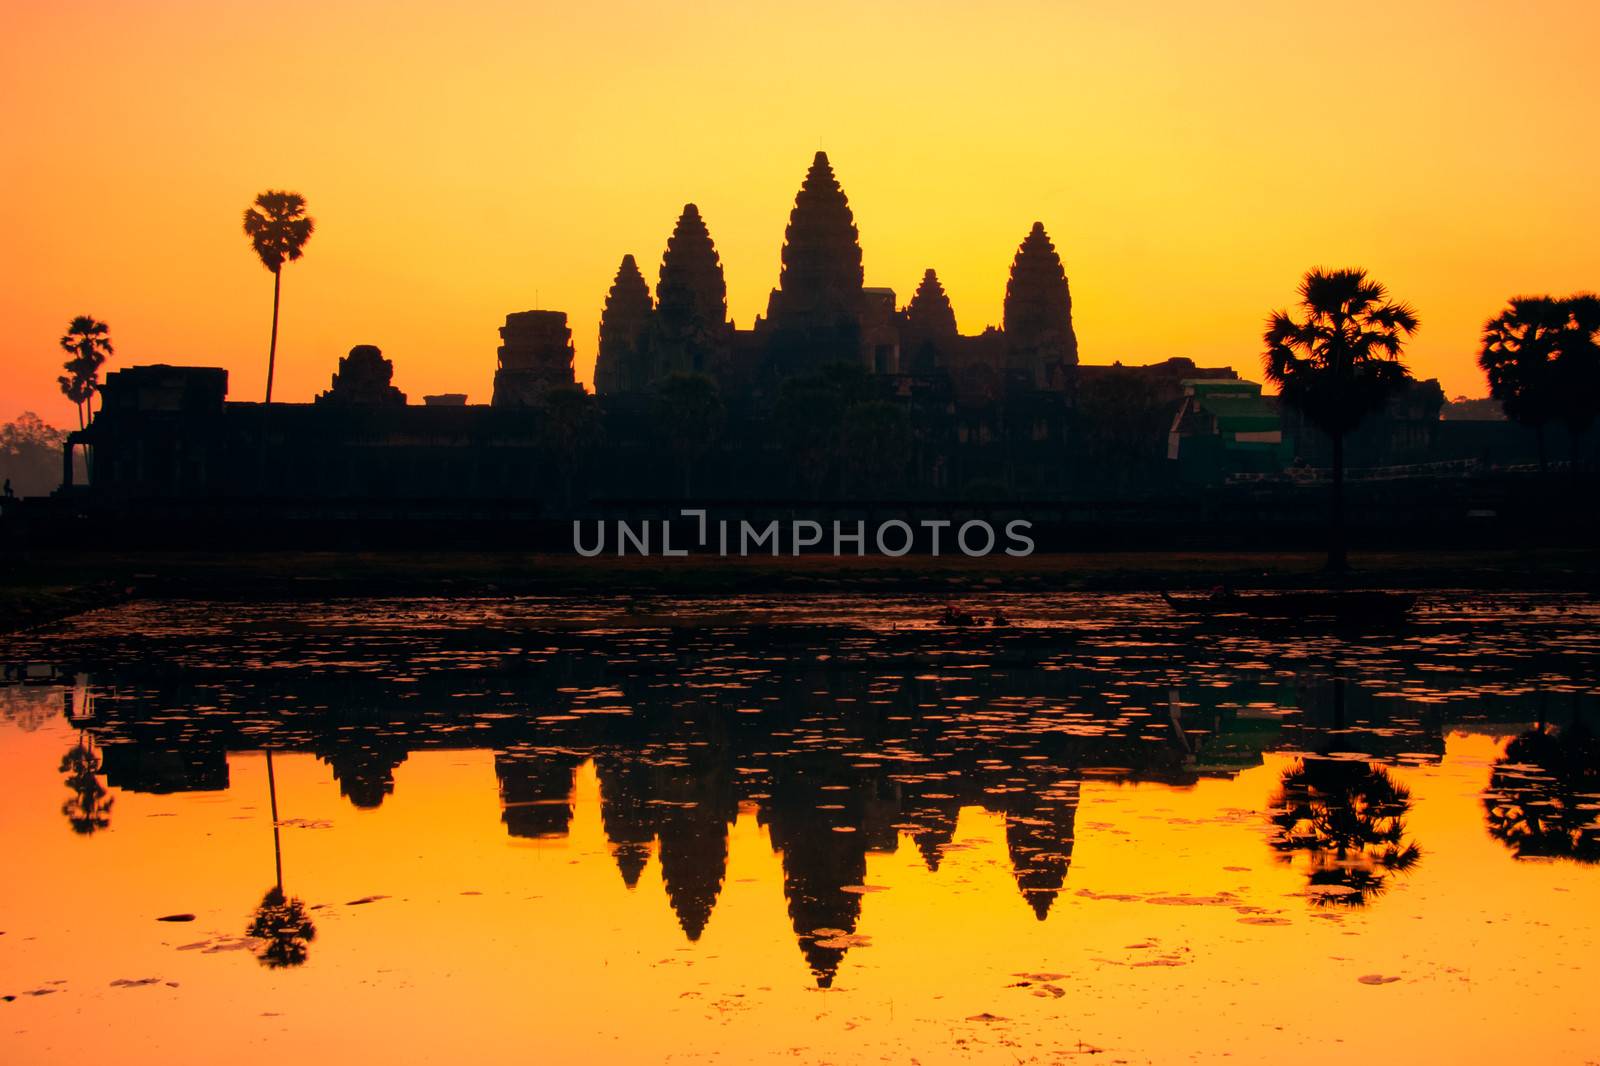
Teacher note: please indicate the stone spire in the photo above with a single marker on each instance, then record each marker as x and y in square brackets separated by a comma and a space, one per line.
[620, 366]
[691, 299]
[821, 277]
[1038, 312]
[929, 314]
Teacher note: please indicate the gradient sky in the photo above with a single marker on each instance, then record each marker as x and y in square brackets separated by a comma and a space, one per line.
[468, 159]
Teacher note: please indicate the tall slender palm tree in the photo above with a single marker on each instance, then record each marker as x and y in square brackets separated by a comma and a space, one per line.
[87, 343]
[1338, 363]
[278, 228]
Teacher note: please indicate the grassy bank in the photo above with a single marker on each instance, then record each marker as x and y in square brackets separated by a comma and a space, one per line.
[44, 585]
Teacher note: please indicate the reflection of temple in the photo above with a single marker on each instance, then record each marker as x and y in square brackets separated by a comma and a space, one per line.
[860, 744]
[1039, 818]
[535, 791]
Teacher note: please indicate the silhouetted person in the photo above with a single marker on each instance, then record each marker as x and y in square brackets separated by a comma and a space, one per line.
[7, 491]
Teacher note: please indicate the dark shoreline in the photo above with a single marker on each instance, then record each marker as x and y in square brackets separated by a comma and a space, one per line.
[42, 587]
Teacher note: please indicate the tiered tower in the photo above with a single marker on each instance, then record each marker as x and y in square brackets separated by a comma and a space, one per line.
[691, 323]
[622, 365]
[929, 327]
[1040, 342]
[535, 357]
[815, 312]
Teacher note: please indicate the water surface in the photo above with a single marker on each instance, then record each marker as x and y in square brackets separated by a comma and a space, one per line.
[814, 829]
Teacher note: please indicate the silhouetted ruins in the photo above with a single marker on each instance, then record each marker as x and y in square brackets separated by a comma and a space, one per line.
[838, 394]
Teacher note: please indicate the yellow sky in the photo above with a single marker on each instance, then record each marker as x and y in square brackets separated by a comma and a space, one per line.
[466, 160]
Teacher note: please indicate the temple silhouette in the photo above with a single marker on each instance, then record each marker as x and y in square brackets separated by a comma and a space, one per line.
[838, 395]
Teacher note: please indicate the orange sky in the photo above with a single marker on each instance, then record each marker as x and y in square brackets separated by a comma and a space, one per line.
[465, 160]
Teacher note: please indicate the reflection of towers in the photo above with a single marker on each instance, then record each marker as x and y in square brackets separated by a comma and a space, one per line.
[695, 806]
[625, 813]
[823, 851]
[364, 766]
[1039, 837]
[933, 807]
[536, 791]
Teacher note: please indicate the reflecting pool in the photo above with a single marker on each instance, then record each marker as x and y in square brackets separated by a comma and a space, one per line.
[802, 829]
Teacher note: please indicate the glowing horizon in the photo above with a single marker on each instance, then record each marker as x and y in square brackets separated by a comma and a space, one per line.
[1189, 165]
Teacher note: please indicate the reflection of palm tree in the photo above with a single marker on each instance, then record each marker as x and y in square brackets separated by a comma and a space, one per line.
[1349, 818]
[280, 920]
[89, 808]
[1540, 800]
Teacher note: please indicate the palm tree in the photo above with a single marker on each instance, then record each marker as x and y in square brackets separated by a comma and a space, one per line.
[280, 920]
[278, 228]
[88, 344]
[1540, 799]
[689, 411]
[89, 808]
[1349, 818]
[1338, 363]
[1520, 347]
[1578, 368]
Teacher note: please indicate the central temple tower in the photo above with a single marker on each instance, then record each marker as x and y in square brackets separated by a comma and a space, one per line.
[815, 312]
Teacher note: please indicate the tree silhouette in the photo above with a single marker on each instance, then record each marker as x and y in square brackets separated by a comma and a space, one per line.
[690, 414]
[1349, 818]
[280, 920]
[1338, 363]
[283, 924]
[88, 810]
[1540, 799]
[1520, 348]
[569, 427]
[1578, 368]
[278, 228]
[87, 343]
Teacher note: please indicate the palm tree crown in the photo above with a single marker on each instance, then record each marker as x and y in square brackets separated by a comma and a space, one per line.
[1542, 358]
[87, 343]
[1341, 360]
[278, 227]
